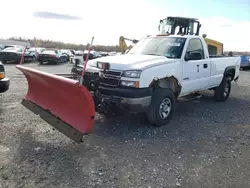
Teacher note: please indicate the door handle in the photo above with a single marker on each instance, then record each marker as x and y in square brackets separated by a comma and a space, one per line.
[205, 66]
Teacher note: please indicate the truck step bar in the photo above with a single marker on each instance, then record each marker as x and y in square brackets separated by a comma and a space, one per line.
[188, 98]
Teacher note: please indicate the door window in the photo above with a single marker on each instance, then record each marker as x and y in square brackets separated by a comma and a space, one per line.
[195, 45]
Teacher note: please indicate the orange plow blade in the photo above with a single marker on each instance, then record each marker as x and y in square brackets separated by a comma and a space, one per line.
[60, 101]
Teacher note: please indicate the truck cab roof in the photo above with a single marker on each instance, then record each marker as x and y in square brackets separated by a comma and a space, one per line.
[183, 18]
[174, 36]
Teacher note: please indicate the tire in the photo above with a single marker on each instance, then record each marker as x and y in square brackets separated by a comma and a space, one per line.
[65, 60]
[58, 61]
[159, 97]
[222, 92]
[34, 59]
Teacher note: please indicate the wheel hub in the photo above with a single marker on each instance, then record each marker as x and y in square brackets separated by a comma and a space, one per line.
[165, 108]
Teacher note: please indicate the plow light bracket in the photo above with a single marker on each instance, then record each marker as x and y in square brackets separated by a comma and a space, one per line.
[104, 66]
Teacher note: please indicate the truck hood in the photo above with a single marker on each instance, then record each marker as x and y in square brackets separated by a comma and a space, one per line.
[130, 61]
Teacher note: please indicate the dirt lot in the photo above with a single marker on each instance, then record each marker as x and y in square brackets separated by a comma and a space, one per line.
[206, 145]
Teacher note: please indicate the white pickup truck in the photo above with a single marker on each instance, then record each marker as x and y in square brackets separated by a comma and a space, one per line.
[159, 70]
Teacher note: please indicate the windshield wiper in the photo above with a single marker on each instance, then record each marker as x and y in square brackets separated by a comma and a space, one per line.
[170, 57]
[154, 54]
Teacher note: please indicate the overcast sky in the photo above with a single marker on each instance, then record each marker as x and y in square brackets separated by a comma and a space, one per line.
[76, 21]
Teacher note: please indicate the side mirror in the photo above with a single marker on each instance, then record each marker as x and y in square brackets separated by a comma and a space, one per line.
[193, 56]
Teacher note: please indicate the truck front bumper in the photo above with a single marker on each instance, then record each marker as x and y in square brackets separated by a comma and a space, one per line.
[4, 84]
[133, 100]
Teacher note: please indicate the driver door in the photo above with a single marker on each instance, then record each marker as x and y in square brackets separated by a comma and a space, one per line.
[196, 68]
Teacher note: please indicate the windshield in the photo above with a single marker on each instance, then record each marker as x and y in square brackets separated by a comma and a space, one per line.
[91, 52]
[67, 52]
[34, 49]
[12, 49]
[49, 52]
[170, 47]
[79, 52]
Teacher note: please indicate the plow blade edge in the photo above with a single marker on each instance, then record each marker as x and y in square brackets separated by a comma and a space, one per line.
[60, 101]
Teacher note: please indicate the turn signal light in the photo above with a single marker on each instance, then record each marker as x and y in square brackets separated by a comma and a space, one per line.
[2, 75]
[130, 84]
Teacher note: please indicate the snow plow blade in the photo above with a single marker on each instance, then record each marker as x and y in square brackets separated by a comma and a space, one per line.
[59, 101]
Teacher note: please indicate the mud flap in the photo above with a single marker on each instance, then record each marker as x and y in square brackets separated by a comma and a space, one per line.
[60, 102]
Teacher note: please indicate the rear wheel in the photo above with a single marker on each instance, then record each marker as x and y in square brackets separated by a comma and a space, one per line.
[162, 107]
[222, 92]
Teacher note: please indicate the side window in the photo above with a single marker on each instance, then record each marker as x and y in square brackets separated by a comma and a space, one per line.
[195, 45]
[212, 50]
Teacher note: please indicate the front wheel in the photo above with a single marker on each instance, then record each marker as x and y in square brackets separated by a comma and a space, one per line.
[162, 107]
[222, 92]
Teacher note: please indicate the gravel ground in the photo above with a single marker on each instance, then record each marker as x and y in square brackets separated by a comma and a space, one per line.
[205, 145]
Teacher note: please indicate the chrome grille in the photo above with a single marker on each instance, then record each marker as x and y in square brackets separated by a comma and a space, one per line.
[116, 74]
[111, 78]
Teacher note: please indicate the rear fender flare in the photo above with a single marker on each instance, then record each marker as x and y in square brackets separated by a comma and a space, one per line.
[230, 71]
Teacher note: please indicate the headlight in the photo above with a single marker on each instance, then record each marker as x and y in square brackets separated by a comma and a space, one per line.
[132, 74]
[130, 84]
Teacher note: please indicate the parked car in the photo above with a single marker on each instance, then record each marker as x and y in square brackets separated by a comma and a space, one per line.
[78, 57]
[245, 62]
[79, 52]
[52, 56]
[103, 54]
[112, 53]
[36, 51]
[92, 55]
[14, 54]
[4, 46]
[1, 47]
[4, 82]
[69, 53]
